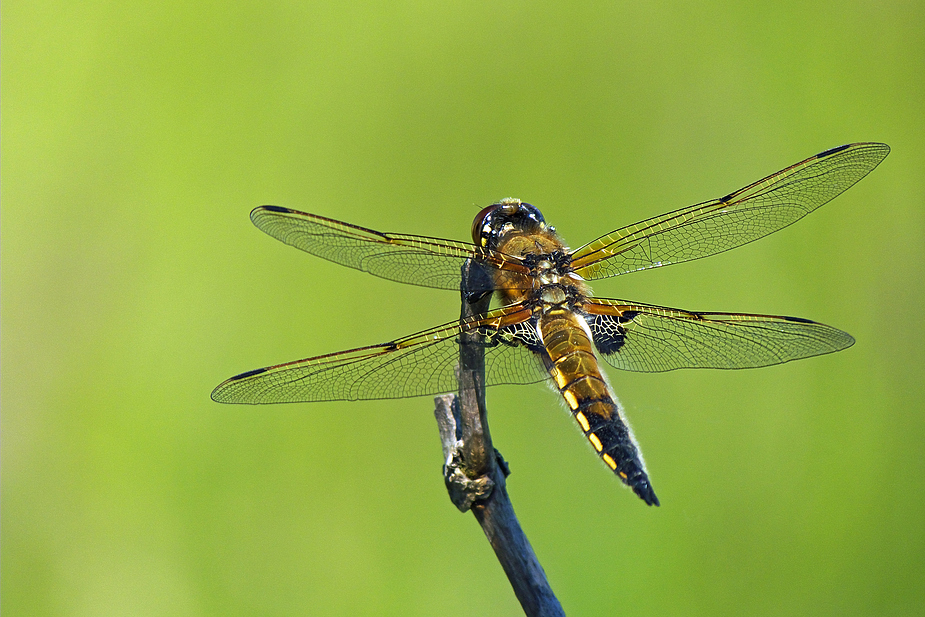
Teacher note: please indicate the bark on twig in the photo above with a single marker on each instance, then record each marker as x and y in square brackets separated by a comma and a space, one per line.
[475, 472]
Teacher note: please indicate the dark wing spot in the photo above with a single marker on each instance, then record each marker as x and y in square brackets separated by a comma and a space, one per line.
[610, 342]
[256, 371]
[277, 209]
[627, 316]
[831, 151]
[799, 320]
[609, 336]
[523, 334]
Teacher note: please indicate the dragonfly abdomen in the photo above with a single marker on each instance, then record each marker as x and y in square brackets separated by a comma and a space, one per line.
[574, 369]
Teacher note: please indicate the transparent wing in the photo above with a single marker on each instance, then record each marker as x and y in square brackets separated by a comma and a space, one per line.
[736, 219]
[417, 260]
[640, 337]
[417, 365]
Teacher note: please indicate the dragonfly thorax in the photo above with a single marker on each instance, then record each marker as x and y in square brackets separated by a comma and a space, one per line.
[553, 295]
[546, 273]
[555, 298]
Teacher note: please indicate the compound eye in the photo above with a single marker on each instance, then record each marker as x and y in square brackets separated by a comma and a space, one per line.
[480, 221]
[534, 214]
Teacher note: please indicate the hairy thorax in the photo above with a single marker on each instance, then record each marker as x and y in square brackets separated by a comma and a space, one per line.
[549, 285]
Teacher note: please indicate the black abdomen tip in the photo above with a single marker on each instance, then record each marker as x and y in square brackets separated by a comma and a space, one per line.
[645, 492]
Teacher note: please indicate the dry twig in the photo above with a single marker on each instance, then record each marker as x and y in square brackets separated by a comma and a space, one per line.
[475, 472]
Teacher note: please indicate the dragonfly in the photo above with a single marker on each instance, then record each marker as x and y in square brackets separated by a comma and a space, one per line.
[546, 325]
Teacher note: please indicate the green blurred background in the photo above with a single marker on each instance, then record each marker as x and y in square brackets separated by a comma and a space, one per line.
[138, 136]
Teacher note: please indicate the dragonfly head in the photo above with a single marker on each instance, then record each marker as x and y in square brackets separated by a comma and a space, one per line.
[507, 215]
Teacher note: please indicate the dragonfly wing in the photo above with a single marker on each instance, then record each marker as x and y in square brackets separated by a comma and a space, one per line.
[417, 365]
[416, 260]
[736, 219]
[640, 337]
